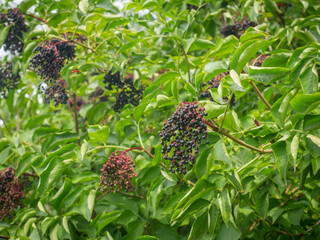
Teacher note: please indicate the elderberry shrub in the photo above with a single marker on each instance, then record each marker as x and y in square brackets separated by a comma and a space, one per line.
[14, 18]
[10, 193]
[50, 58]
[55, 90]
[238, 29]
[8, 80]
[181, 135]
[117, 172]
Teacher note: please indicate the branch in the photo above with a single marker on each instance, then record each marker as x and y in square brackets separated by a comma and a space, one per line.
[3, 237]
[33, 16]
[260, 94]
[310, 229]
[75, 112]
[216, 129]
[30, 175]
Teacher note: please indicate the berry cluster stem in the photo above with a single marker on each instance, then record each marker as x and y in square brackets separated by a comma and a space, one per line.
[255, 88]
[216, 129]
[30, 175]
[35, 17]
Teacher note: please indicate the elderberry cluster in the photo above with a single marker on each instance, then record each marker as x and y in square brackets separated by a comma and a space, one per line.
[113, 80]
[117, 172]
[129, 94]
[50, 58]
[181, 135]
[237, 29]
[10, 193]
[14, 18]
[55, 90]
[212, 83]
[8, 80]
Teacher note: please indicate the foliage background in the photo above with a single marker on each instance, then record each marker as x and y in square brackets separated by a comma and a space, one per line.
[232, 192]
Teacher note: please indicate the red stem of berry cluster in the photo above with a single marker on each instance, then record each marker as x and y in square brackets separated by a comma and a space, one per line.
[30, 175]
[140, 148]
[40, 19]
[216, 129]
[3, 237]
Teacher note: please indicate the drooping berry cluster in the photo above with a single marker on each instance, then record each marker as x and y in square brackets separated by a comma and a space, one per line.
[50, 58]
[8, 80]
[113, 80]
[238, 29]
[117, 172]
[181, 135]
[128, 93]
[14, 18]
[55, 90]
[213, 83]
[10, 193]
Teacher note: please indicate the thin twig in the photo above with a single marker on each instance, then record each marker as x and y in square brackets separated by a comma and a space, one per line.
[85, 46]
[75, 112]
[254, 86]
[3, 237]
[310, 229]
[216, 129]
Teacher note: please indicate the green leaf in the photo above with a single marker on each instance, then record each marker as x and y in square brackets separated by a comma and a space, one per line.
[224, 47]
[313, 145]
[262, 203]
[4, 34]
[280, 152]
[267, 75]
[100, 135]
[247, 51]
[26, 4]
[139, 110]
[311, 122]
[213, 109]
[166, 77]
[107, 218]
[84, 6]
[304, 103]
[146, 237]
[225, 205]
[281, 107]
[228, 231]
[199, 227]
[294, 148]
[195, 207]
[200, 186]
[308, 80]
[25, 163]
[63, 191]
[235, 77]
